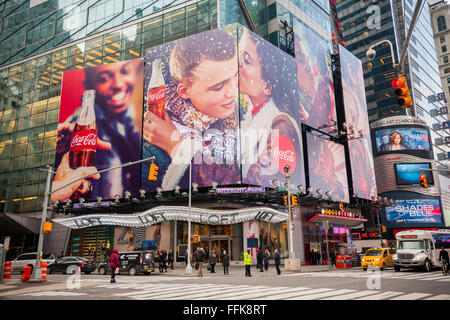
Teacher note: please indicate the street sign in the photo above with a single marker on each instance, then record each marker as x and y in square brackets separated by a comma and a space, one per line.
[446, 125]
[443, 110]
[447, 140]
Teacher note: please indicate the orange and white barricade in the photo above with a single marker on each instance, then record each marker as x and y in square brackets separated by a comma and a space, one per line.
[7, 270]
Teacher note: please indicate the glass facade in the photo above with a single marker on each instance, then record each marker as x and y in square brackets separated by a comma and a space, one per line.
[30, 87]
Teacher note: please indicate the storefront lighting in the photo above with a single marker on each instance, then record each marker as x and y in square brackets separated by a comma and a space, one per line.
[319, 193]
[300, 189]
[309, 191]
[159, 194]
[214, 187]
[116, 200]
[177, 190]
[128, 195]
[82, 200]
[194, 186]
[99, 199]
[142, 192]
[328, 194]
[276, 184]
[55, 204]
[68, 204]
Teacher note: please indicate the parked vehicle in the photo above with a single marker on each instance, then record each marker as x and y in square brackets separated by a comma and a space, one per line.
[420, 249]
[69, 265]
[131, 262]
[29, 259]
[378, 257]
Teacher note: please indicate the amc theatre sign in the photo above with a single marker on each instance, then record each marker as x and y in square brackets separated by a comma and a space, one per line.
[169, 213]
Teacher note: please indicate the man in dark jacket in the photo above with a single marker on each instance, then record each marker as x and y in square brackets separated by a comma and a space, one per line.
[200, 258]
[259, 259]
[114, 263]
[170, 258]
[225, 261]
[277, 261]
[333, 258]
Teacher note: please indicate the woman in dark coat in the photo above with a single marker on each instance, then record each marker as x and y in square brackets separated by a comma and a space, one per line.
[163, 259]
[213, 261]
[225, 261]
[259, 257]
[266, 259]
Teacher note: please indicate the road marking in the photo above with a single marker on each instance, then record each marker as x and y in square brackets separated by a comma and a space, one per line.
[55, 293]
[272, 293]
[412, 296]
[166, 292]
[197, 292]
[322, 295]
[381, 295]
[439, 297]
[231, 293]
[353, 295]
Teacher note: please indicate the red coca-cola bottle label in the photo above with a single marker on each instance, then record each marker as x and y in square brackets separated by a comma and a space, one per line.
[156, 95]
[84, 140]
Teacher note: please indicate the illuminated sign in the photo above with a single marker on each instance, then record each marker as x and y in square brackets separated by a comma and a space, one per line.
[339, 213]
[420, 211]
[240, 190]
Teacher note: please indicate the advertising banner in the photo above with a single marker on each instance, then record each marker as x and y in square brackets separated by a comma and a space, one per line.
[270, 132]
[397, 139]
[191, 111]
[327, 169]
[445, 198]
[361, 158]
[414, 212]
[100, 126]
[315, 79]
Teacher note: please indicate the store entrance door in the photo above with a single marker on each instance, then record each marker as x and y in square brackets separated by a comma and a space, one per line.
[216, 243]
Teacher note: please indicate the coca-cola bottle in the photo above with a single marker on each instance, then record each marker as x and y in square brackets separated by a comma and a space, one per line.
[83, 143]
[156, 94]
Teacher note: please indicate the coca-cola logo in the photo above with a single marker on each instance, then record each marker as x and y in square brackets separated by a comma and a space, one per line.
[84, 139]
[157, 94]
[284, 153]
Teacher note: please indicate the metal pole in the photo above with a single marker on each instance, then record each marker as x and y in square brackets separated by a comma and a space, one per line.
[291, 246]
[188, 269]
[379, 227]
[37, 266]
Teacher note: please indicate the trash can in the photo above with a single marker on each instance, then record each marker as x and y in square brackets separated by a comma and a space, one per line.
[2, 260]
[339, 262]
[348, 262]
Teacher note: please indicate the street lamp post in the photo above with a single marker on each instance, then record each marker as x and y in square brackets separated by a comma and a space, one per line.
[188, 269]
[37, 268]
[288, 185]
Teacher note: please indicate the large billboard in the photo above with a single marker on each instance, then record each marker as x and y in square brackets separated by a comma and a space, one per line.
[269, 114]
[361, 159]
[414, 212]
[327, 169]
[100, 126]
[315, 80]
[402, 138]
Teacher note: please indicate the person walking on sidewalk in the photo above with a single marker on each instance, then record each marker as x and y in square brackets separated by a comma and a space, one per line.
[200, 258]
[247, 263]
[114, 263]
[170, 259]
[266, 259]
[277, 261]
[259, 259]
[225, 261]
[333, 258]
[213, 261]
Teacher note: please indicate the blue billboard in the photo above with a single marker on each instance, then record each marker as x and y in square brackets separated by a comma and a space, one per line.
[414, 212]
[397, 139]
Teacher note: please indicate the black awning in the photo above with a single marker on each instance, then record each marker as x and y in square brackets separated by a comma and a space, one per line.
[337, 220]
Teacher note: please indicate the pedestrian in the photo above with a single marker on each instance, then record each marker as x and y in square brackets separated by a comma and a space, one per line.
[324, 257]
[163, 258]
[170, 258]
[259, 259]
[277, 261]
[114, 263]
[213, 261]
[266, 258]
[247, 263]
[186, 257]
[199, 259]
[225, 261]
[333, 258]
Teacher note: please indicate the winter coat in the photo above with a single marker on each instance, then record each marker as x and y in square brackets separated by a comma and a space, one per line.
[212, 259]
[199, 256]
[277, 258]
[260, 257]
[114, 259]
[266, 258]
[226, 260]
[247, 259]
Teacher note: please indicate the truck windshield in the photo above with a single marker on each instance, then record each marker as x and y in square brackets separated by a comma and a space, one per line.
[415, 245]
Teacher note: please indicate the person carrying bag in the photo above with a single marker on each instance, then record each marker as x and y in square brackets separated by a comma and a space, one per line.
[114, 263]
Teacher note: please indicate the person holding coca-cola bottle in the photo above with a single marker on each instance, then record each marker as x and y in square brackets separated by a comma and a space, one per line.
[118, 125]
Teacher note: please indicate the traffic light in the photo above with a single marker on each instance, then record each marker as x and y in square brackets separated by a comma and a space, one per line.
[423, 180]
[294, 200]
[404, 99]
[285, 200]
[153, 175]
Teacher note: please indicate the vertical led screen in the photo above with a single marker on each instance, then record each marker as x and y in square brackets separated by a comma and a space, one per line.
[269, 113]
[191, 111]
[363, 174]
[327, 170]
[100, 126]
[315, 80]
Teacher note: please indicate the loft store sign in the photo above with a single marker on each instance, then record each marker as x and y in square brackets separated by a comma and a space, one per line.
[171, 213]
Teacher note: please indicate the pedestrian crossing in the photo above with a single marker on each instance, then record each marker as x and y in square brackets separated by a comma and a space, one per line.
[437, 276]
[171, 291]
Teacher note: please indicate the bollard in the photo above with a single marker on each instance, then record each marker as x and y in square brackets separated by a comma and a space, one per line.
[44, 271]
[26, 275]
[7, 271]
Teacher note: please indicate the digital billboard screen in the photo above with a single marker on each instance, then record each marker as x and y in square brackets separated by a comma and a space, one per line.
[269, 114]
[100, 126]
[408, 173]
[360, 149]
[327, 169]
[400, 139]
[414, 212]
[315, 79]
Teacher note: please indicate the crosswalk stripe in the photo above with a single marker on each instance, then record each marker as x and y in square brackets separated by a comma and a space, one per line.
[208, 292]
[230, 292]
[381, 295]
[167, 293]
[322, 295]
[439, 297]
[412, 296]
[297, 293]
[271, 294]
[434, 277]
[353, 295]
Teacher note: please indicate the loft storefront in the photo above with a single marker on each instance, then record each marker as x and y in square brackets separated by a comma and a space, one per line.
[165, 228]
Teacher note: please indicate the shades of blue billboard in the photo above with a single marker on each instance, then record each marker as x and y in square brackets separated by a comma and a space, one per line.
[397, 139]
[414, 212]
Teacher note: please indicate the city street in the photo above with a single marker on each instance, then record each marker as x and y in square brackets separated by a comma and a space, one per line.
[337, 284]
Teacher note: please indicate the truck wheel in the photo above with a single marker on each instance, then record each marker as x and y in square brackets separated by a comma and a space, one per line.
[397, 269]
[383, 267]
[132, 271]
[102, 271]
[427, 266]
